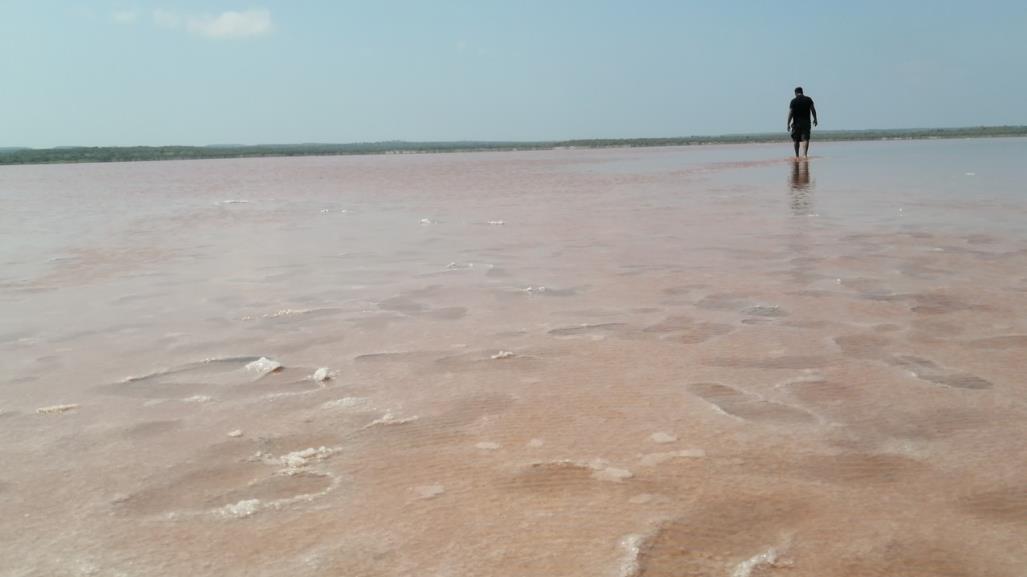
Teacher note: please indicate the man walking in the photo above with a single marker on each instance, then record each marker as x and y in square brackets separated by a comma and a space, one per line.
[799, 111]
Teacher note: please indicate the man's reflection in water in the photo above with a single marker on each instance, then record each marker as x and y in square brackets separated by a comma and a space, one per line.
[802, 188]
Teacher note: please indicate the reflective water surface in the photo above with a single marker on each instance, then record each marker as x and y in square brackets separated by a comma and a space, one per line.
[677, 361]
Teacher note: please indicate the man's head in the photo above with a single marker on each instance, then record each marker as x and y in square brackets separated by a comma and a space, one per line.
[798, 91]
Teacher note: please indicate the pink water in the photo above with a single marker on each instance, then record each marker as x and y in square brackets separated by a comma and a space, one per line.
[677, 361]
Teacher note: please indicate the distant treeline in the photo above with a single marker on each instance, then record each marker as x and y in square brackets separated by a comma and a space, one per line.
[821, 135]
[134, 153]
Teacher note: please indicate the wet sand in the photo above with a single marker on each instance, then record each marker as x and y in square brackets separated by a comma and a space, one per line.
[661, 362]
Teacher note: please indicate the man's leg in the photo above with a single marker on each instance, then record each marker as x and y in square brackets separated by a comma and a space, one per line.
[795, 140]
[805, 147]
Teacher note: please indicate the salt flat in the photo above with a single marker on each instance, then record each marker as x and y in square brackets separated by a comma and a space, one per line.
[670, 361]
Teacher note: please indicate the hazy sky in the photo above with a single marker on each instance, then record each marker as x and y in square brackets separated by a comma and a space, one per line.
[164, 72]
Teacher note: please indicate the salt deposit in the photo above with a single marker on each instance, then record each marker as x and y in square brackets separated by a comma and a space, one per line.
[653, 459]
[263, 366]
[663, 437]
[390, 419]
[285, 313]
[630, 565]
[429, 491]
[345, 403]
[745, 568]
[299, 459]
[56, 409]
[613, 474]
[242, 509]
[198, 399]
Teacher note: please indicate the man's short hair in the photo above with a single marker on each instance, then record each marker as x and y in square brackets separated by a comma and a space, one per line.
[798, 90]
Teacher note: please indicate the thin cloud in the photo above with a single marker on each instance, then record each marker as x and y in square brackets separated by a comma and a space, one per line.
[232, 24]
[166, 18]
[124, 16]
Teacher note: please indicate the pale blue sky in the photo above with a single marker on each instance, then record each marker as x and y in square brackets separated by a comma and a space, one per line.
[166, 72]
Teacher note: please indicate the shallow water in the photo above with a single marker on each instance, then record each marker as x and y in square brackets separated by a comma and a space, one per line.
[675, 361]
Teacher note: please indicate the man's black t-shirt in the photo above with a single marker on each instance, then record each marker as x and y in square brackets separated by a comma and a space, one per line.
[800, 107]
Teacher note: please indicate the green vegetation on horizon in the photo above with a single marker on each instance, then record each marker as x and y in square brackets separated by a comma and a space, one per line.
[137, 153]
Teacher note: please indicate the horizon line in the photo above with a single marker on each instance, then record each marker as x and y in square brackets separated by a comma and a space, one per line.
[540, 142]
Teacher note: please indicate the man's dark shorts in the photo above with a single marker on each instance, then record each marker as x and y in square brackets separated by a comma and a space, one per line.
[800, 133]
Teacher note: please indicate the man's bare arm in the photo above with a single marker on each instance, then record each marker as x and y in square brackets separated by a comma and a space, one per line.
[788, 125]
[813, 109]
